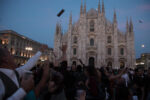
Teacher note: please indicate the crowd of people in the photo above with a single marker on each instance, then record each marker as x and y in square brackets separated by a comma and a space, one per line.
[77, 82]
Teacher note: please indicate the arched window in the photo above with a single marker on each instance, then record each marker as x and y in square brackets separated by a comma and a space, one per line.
[91, 42]
[74, 51]
[75, 39]
[121, 51]
[109, 51]
[91, 26]
[109, 39]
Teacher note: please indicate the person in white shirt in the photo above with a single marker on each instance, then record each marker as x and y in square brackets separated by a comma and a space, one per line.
[10, 74]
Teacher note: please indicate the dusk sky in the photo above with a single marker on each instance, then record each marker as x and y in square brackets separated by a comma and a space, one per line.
[37, 19]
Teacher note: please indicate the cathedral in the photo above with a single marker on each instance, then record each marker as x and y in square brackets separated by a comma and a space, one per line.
[95, 40]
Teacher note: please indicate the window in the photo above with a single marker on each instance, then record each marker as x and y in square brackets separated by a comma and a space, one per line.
[109, 51]
[74, 51]
[12, 51]
[109, 39]
[4, 41]
[75, 40]
[12, 42]
[91, 42]
[22, 54]
[121, 51]
[92, 26]
[16, 52]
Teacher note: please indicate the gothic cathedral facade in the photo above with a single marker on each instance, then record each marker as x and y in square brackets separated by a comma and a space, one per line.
[95, 40]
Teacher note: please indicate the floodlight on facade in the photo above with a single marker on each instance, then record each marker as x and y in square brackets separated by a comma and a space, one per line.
[29, 48]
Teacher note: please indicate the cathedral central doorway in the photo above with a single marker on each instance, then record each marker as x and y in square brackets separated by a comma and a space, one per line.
[91, 61]
[109, 64]
[122, 64]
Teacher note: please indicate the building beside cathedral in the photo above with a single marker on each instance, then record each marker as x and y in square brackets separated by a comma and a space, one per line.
[95, 40]
[22, 48]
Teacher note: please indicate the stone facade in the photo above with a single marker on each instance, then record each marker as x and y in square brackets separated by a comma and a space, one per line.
[95, 40]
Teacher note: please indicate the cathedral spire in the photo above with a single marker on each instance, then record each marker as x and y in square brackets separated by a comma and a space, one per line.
[81, 8]
[58, 28]
[85, 7]
[115, 17]
[99, 7]
[127, 26]
[70, 19]
[103, 8]
[131, 25]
